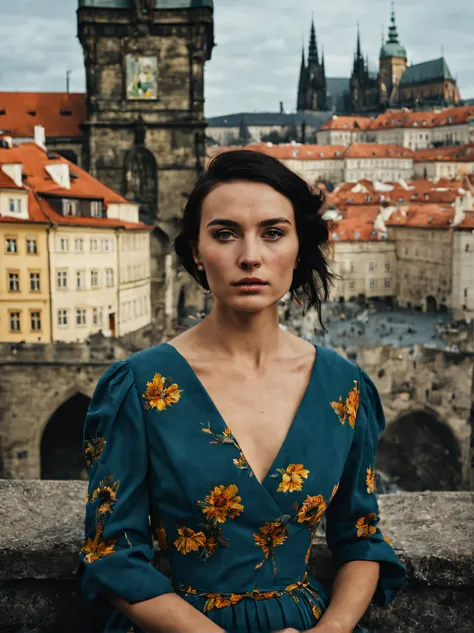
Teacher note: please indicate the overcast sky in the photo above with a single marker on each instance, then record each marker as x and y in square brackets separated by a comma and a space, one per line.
[255, 64]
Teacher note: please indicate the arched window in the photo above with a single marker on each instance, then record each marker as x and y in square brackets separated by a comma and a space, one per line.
[141, 182]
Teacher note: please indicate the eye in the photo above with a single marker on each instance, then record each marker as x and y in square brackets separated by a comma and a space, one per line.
[218, 235]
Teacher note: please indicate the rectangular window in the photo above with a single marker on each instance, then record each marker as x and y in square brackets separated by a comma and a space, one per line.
[35, 282]
[36, 321]
[11, 205]
[80, 279]
[79, 244]
[31, 246]
[14, 282]
[371, 283]
[80, 316]
[109, 277]
[96, 209]
[97, 316]
[94, 246]
[371, 266]
[106, 246]
[64, 244]
[18, 205]
[62, 279]
[387, 266]
[388, 283]
[94, 278]
[12, 245]
[353, 267]
[62, 318]
[14, 321]
[70, 207]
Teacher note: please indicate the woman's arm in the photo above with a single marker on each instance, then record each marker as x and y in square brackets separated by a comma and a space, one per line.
[353, 589]
[168, 613]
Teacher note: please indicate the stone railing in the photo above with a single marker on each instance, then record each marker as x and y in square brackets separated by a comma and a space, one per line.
[42, 523]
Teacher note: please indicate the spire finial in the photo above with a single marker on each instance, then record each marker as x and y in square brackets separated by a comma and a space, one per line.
[392, 30]
[313, 46]
[358, 40]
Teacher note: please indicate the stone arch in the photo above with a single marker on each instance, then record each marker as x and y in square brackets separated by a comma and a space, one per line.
[61, 444]
[431, 305]
[420, 452]
[140, 181]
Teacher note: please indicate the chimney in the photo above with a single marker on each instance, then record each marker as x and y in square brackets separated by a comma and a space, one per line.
[282, 111]
[40, 136]
[59, 172]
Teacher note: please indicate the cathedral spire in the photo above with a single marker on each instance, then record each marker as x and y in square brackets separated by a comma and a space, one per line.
[303, 63]
[313, 46]
[392, 29]
[359, 54]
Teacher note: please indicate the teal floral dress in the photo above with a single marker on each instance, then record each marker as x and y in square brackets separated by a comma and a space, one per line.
[165, 467]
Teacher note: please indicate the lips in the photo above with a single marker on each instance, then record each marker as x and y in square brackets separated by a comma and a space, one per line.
[251, 283]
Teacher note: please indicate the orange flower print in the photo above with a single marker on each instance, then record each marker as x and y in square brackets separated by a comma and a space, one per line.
[347, 410]
[93, 450]
[334, 490]
[95, 548]
[270, 536]
[370, 480]
[312, 511]
[291, 477]
[365, 525]
[189, 540]
[222, 503]
[107, 493]
[160, 534]
[161, 393]
[387, 540]
[316, 611]
[227, 437]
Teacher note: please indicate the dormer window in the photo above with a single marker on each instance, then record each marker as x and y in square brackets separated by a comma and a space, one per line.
[70, 207]
[96, 209]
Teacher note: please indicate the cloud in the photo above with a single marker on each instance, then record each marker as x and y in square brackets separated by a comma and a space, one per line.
[255, 64]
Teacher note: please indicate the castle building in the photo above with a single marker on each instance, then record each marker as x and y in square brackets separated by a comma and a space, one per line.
[312, 89]
[421, 86]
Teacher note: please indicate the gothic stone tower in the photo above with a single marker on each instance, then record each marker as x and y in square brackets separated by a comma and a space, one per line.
[312, 82]
[393, 63]
[145, 127]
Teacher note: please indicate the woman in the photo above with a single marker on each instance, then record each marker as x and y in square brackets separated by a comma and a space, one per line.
[237, 437]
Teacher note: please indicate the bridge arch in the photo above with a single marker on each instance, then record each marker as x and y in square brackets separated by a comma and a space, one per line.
[420, 452]
[61, 438]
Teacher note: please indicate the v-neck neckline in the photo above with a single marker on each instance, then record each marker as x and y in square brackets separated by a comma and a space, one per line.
[224, 424]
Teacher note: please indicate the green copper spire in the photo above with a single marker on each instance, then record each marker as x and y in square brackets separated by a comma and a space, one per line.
[392, 29]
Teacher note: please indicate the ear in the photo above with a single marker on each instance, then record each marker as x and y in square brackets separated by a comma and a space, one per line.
[195, 251]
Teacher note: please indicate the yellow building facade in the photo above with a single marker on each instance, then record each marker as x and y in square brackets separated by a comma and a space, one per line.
[25, 313]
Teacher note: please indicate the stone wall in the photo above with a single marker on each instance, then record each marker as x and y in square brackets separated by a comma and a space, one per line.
[42, 525]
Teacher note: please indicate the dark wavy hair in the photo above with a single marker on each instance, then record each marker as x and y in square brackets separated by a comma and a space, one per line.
[312, 278]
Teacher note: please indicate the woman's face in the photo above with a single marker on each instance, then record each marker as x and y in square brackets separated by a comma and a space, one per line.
[233, 244]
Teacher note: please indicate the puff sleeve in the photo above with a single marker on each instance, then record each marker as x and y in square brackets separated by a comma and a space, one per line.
[117, 553]
[352, 516]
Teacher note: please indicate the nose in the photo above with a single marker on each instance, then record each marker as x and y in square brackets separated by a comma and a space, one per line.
[250, 256]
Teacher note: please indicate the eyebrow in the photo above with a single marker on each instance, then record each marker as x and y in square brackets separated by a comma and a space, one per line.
[236, 224]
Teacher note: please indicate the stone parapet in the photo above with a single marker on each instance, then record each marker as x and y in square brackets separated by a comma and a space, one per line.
[42, 532]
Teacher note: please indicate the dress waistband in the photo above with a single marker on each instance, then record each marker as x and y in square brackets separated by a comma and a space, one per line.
[221, 600]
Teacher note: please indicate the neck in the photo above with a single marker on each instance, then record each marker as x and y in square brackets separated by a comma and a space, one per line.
[250, 338]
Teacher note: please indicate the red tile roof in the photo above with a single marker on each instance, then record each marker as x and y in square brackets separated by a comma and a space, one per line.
[347, 123]
[455, 154]
[429, 216]
[419, 191]
[377, 150]
[468, 222]
[60, 113]
[356, 226]
[408, 119]
[83, 185]
[6, 182]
